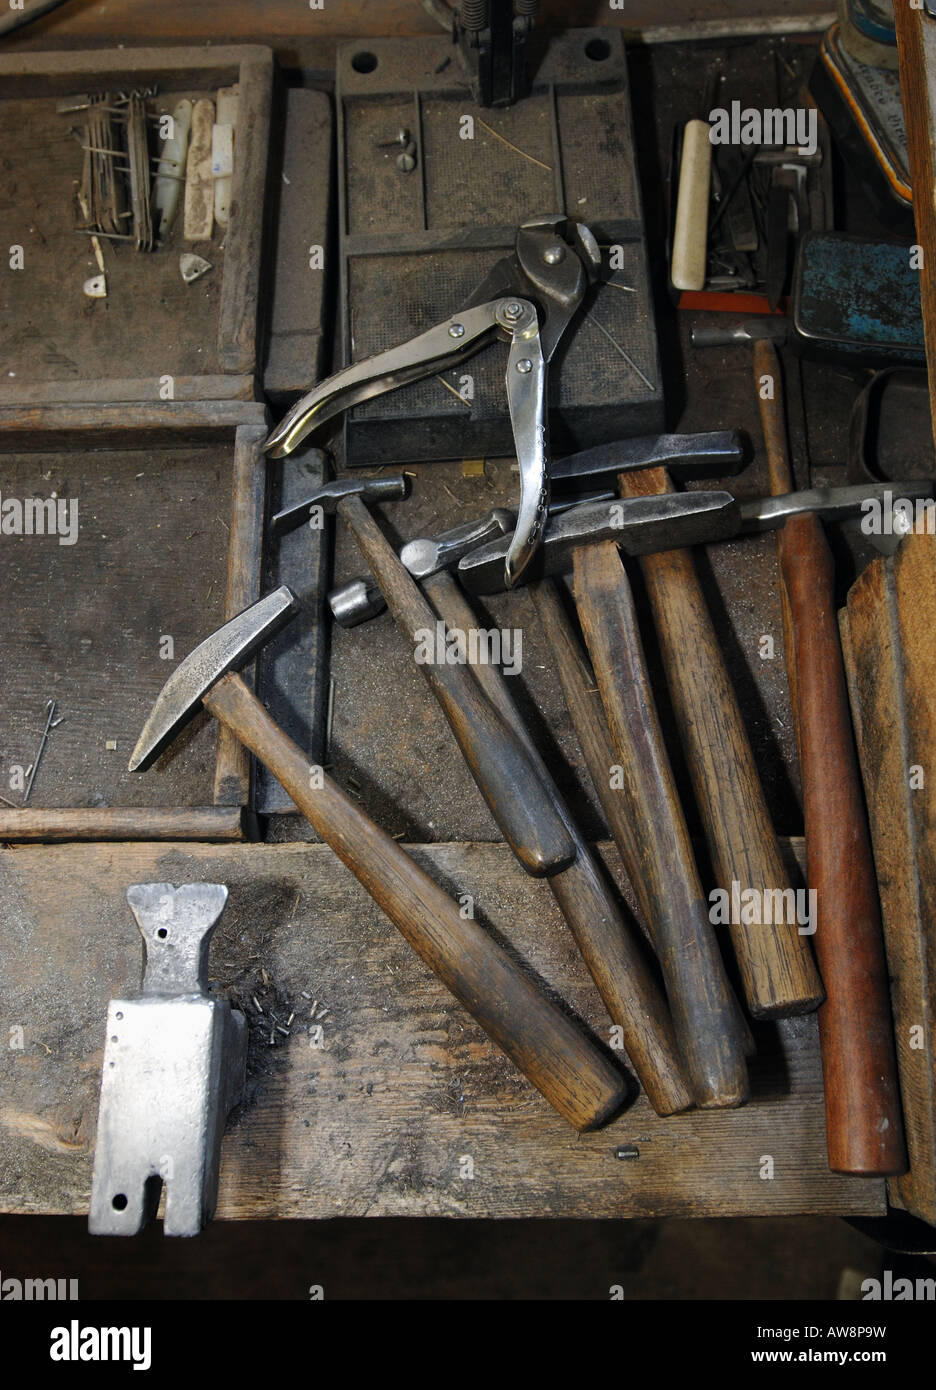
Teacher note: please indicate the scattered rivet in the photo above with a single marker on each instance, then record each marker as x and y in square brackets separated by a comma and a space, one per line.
[111, 745]
[627, 1151]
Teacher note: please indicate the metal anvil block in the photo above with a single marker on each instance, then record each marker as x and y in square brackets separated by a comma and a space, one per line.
[173, 1067]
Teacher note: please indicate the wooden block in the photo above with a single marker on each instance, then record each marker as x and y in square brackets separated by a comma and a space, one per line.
[916, 45]
[302, 266]
[19, 826]
[890, 650]
[382, 1118]
[199, 193]
[248, 488]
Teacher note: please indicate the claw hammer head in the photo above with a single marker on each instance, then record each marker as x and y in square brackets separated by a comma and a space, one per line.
[228, 649]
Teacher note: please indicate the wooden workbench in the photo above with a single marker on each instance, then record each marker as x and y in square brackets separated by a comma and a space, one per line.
[407, 1109]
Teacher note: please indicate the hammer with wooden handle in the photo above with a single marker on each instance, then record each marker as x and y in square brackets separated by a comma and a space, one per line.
[569, 1069]
[658, 855]
[655, 846]
[606, 939]
[626, 985]
[778, 973]
[864, 1122]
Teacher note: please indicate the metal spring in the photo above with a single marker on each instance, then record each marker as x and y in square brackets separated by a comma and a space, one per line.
[527, 7]
[473, 14]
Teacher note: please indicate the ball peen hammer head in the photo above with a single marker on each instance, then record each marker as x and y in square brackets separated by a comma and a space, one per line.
[228, 649]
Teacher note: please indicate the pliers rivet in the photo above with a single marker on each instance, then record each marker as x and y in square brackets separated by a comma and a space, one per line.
[457, 330]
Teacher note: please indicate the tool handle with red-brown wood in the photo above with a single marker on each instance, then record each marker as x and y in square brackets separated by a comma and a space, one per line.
[864, 1124]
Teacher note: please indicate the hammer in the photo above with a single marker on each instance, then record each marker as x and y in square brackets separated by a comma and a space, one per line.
[710, 1030]
[485, 723]
[777, 969]
[567, 1067]
[643, 808]
[864, 1124]
[713, 453]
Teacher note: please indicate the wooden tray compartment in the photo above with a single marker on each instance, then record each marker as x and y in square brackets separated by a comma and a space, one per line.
[169, 527]
[63, 346]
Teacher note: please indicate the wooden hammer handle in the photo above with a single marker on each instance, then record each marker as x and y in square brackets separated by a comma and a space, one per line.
[864, 1123]
[863, 1116]
[708, 1023]
[500, 765]
[591, 729]
[614, 958]
[776, 964]
[570, 1071]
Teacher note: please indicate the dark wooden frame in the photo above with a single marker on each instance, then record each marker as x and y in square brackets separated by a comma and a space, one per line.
[245, 425]
[60, 74]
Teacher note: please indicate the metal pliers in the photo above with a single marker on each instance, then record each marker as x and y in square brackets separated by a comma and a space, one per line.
[528, 298]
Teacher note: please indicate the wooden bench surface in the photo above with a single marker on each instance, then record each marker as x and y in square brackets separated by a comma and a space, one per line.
[407, 1096]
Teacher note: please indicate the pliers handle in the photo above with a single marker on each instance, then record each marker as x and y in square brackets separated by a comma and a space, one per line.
[528, 299]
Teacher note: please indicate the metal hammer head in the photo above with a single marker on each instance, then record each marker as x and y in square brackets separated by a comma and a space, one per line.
[327, 497]
[361, 599]
[775, 329]
[225, 650]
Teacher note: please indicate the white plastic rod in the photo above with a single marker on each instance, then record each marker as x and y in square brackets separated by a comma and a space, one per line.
[690, 240]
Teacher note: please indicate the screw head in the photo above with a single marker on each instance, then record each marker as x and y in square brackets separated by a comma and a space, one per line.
[524, 365]
[512, 310]
[457, 330]
[406, 162]
[554, 254]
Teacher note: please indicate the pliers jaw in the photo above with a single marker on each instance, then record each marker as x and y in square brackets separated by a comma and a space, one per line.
[529, 297]
[553, 262]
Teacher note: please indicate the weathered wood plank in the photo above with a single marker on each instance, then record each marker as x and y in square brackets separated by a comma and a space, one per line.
[121, 823]
[891, 654]
[280, 22]
[238, 324]
[298, 292]
[916, 43]
[131, 389]
[384, 1119]
[121, 425]
[232, 769]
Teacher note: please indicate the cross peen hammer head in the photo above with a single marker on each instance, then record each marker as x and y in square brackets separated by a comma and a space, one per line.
[381, 489]
[228, 649]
